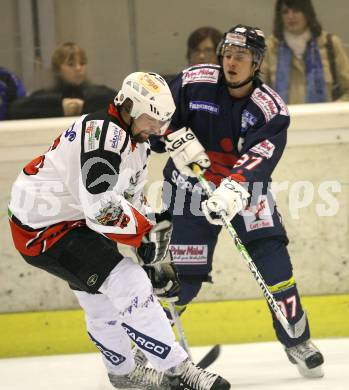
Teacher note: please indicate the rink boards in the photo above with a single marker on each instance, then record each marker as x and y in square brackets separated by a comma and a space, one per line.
[61, 332]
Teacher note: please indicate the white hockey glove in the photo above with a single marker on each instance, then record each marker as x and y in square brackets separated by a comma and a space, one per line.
[164, 278]
[185, 149]
[154, 245]
[229, 198]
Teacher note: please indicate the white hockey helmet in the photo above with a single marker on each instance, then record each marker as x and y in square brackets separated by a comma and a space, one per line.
[150, 95]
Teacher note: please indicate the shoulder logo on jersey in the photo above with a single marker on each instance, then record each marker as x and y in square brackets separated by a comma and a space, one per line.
[264, 149]
[280, 102]
[200, 75]
[115, 138]
[70, 133]
[93, 131]
[200, 105]
[265, 103]
[112, 214]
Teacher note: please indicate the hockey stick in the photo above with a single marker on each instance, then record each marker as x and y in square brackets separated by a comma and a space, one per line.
[294, 331]
[211, 355]
[182, 340]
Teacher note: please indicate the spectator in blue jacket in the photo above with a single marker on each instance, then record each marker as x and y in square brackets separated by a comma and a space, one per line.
[11, 88]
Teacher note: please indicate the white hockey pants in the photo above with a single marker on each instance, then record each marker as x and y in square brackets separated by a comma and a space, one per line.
[127, 310]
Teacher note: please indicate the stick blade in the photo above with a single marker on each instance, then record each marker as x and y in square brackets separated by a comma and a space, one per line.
[210, 357]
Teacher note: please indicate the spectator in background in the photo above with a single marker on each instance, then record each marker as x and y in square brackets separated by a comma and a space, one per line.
[201, 48]
[304, 64]
[71, 94]
[202, 44]
[11, 88]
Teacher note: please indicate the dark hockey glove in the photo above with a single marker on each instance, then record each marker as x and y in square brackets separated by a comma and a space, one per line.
[154, 246]
[164, 279]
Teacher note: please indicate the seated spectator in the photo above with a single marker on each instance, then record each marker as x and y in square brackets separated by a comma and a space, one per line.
[201, 48]
[202, 44]
[304, 64]
[72, 94]
[11, 88]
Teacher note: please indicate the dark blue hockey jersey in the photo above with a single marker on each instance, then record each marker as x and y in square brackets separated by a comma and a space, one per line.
[244, 138]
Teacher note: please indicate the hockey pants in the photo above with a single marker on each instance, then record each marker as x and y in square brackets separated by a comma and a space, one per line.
[125, 311]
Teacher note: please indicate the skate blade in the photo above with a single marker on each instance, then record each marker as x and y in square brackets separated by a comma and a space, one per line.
[312, 373]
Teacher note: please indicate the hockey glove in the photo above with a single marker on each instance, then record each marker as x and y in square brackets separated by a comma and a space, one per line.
[163, 277]
[185, 149]
[229, 198]
[154, 246]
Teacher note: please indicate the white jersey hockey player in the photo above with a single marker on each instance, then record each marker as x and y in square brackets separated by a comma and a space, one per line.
[71, 207]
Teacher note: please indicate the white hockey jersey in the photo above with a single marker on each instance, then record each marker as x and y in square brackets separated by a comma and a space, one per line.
[92, 175]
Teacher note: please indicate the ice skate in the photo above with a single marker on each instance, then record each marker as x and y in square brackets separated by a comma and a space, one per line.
[139, 356]
[308, 359]
[142, 378]
[188, 376]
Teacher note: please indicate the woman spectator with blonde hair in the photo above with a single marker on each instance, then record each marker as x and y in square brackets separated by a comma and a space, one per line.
[71, 93]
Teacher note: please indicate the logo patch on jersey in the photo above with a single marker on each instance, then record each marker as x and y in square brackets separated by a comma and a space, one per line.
[115, 138]
[265, 103]
[113, 357]
[264, 149]
[70, 133]
[132, 188]
[200, 75]
[247, 120]
[258, 216]
[112, 214]
[204, 106]
[147, 343]
[93, 131]
[280, 102]
[92, 280]
[189, 254]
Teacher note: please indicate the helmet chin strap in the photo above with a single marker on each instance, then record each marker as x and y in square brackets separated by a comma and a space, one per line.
[128, 125]
[129, 129]
[239, 84]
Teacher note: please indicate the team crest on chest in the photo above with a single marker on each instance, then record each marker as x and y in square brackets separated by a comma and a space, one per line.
[247, 120]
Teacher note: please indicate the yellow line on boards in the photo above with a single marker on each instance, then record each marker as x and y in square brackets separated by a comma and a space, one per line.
[206, 323]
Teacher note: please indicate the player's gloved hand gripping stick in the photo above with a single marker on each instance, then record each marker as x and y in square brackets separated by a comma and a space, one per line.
[293, 331]
[156, 260]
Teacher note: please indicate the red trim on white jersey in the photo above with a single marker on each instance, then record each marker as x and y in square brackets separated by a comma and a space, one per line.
[32, 242]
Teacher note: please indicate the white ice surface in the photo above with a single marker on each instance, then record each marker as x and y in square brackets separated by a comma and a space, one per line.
[259, 366]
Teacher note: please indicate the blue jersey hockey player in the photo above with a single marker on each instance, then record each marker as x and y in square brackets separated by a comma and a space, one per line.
[234, 126]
